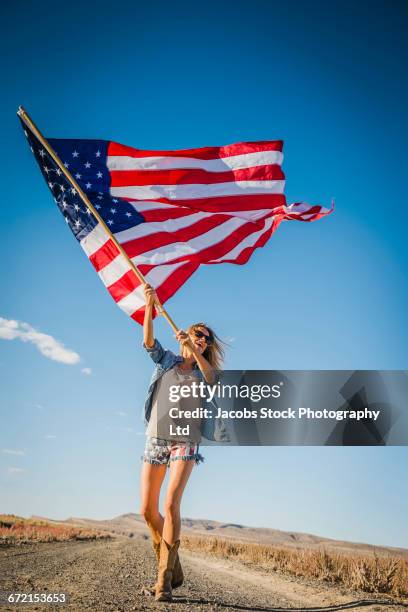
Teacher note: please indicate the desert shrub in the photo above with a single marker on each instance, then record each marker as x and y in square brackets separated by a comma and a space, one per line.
[15, 529]
[370, 573]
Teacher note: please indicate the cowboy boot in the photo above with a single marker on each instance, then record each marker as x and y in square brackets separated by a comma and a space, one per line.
[156, 537]
[168, 553]
[177, 577]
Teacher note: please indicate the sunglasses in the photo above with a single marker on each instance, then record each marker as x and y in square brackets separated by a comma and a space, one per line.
[199, 334]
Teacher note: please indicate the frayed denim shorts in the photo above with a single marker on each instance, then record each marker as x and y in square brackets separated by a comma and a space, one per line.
[160, 452]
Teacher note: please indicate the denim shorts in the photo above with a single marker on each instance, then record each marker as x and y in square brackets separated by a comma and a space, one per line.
[160, 452]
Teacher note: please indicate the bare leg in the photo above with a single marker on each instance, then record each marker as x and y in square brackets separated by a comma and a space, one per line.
[151, 482]
[179, 474]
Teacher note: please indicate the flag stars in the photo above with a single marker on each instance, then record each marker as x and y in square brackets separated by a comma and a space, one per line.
[115, 201]
[87, 171]
[128, 214]
[99, 197]
[110, 222]
[113, 211]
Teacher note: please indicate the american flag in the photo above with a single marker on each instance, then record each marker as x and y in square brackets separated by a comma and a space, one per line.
[171, 211]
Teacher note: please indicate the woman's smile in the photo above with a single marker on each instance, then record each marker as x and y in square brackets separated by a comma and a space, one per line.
[199, 343]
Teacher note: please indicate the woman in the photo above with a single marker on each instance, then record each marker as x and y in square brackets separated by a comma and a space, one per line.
[200, 359]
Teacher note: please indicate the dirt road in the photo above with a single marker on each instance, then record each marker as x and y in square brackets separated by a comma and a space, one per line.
[108, 575]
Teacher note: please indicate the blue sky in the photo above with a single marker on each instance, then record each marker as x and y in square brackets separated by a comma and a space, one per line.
[327, 78]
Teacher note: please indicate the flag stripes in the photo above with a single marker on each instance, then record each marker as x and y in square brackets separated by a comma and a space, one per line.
[234, 162]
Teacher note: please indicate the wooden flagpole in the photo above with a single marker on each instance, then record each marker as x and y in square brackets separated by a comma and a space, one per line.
[31, 125]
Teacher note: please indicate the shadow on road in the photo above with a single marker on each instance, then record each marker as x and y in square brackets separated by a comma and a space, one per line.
[345, 606]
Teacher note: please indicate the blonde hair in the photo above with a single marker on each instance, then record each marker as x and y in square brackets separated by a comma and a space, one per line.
[215, 352]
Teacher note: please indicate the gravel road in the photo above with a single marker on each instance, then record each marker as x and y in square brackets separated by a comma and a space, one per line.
[108, 575]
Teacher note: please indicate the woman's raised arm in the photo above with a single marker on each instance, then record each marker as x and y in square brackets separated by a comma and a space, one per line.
[150, 297]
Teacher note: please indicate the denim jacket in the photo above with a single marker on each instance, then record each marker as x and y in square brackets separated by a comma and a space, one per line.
[212, 428]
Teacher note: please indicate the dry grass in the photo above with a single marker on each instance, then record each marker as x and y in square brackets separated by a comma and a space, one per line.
[368, 573]
[18, 530]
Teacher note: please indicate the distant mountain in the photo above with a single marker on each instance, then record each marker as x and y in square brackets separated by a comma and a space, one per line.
[133, 525]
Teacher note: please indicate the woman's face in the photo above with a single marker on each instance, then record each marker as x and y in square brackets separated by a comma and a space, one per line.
[199, 336]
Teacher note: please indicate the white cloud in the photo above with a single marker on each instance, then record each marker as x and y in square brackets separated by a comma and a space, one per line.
[121, 413]
[10, 451]
[46, 344]
[86, 371]
[50, 437]
[15, 470]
